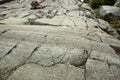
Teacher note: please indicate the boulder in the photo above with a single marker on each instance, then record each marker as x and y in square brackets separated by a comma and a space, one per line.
[105, 26]
[110, 13]
[63, 41]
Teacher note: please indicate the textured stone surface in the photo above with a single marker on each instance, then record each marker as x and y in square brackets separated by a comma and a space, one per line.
[63, 41]
[110, 13]
[32, 49]
[57, 72]
[98, 70]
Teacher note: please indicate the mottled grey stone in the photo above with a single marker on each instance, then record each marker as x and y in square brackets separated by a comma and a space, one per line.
[98, 70]
[24, 14]
[110, 13]
[56, 72]
[63, 41]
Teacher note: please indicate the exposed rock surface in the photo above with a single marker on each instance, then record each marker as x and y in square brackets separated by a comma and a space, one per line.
[63, 41]
[110, 13]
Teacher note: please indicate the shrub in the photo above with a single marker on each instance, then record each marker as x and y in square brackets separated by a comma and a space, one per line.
[117, 4]
[109, 2]
[96, 3]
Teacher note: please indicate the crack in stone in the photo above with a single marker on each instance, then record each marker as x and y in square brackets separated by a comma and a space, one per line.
[85, 70]
[85, 57]
[62, 21]
[15, 46]
[95, 40]
[34, 50]
[99, 37]
[67, 70]
[97, 59]
[61, 61]
[37, 47]
[72, 21]
[109, 64]
[4, 31]
[85, 20]
[40, 23]
[6, 73]
[92, 39]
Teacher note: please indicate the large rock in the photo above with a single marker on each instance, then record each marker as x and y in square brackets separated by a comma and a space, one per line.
[110, 13]
[49, 51]
[63, 41]
[105, 26]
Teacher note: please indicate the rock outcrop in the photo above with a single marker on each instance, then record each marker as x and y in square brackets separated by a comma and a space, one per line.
[63, 41]
[110, 13]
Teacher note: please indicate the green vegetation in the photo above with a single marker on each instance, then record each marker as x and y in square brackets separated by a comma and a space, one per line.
[109, 2]
[118, 5]
[98, 3]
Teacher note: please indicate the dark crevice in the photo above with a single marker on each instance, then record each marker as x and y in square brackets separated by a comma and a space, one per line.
[95, 40]
[15, 46]
[42, 24]
[99, 38]
[97, 59]
[34, 50]
[67, 72]
[82, 63]
[106, 61]
[85, 20]
[84, 59]
[4, 32]
[73, 22]
[91, 39]
[85, 72]
[6, 73]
